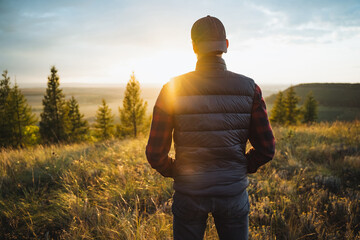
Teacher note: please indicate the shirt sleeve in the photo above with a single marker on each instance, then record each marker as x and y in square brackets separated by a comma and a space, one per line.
[260, 136]
[160, 139]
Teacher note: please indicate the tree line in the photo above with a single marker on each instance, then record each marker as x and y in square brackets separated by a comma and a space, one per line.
[61, 120]
[286, 111]
[16, 118]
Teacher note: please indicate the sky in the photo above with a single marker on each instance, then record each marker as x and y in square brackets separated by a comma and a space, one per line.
[94, 42]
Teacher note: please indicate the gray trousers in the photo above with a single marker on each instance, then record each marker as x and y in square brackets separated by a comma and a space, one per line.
[231, 216]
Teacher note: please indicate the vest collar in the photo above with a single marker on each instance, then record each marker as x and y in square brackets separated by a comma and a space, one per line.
[210, 63]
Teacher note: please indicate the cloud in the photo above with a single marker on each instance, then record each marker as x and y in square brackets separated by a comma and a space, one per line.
[86, 38]
[310, 21]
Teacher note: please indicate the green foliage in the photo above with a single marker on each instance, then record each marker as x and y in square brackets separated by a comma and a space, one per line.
[134, 108]
[345, 107]
[15, 115]
[285, 110]
[292, 112]
[104, 121]
[121, 131]
[5, 126]
[325, 93]
[310, 109]
[54, 122]
[20, 117]
[78, 127]
[277, 114]
[31, 135]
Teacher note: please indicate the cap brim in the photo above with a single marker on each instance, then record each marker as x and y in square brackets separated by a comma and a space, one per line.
[212, 46]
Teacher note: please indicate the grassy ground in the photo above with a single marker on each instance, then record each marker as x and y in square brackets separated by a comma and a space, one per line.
[311, 190]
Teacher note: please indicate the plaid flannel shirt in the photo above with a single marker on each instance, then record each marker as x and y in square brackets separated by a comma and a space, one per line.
[260, 136]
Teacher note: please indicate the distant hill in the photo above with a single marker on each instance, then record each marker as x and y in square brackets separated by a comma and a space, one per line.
[328, 94]
[337, 101]
[89, 98]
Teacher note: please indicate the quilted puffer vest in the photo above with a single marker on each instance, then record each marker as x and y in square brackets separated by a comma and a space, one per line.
[212, 113]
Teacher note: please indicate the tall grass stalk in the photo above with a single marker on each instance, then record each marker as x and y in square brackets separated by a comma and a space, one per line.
[107, 190]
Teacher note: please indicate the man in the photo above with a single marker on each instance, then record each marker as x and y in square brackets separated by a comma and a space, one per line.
[211, 113]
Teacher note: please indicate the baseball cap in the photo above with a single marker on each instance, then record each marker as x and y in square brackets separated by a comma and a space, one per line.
[208, 34]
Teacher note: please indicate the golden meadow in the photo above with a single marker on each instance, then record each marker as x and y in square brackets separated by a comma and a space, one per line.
[107, 190]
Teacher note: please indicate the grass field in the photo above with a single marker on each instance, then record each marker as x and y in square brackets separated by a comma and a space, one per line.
[107, 190]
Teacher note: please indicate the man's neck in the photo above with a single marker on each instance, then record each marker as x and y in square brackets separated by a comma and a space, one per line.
[199, 56]
[210, 62]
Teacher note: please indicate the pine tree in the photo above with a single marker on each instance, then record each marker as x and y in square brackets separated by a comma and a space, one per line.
[134, 108]
[104, 121]
[291, 109]
[78, 127]
[278, 111]
[5, 125]
[310, 109]
[21, 116]
[53, 124]
[4, 87]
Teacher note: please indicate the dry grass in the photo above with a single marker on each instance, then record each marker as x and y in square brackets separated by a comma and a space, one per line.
[311, 190]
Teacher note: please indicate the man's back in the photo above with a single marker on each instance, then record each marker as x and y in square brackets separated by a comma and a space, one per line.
[210, 114]
[211, 108]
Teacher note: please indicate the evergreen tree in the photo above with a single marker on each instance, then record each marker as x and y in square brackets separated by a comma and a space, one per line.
[78, 127]
[291, 109]
[278, 111]
[21, 116]
[104, 121]
[4, 87]
[53, 124]
[5, 128]
[310, 109]
[134, 108]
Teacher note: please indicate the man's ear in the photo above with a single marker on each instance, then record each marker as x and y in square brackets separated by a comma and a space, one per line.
[227, 43]
[195, 48]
